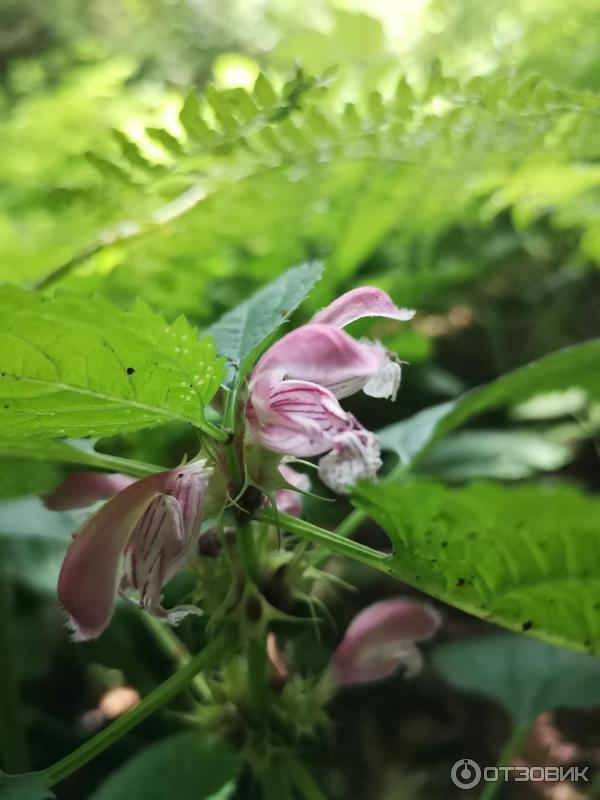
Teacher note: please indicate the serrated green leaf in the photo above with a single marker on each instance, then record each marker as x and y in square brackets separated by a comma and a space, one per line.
[183, 767]
[526, 676]
[264, 94]
[242, 329]
[71, 366]
[191, 120]
[169, 142]
[577, 366]
[108, 169]
[522, 557]
[131, 152]
[30, 786]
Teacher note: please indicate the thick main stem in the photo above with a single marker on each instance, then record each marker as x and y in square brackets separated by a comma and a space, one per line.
[212, 654]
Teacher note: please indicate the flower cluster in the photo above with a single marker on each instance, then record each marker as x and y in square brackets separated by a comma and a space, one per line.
[293, 405]
[147, 528]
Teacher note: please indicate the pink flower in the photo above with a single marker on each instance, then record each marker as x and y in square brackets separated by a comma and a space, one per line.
[295, 388]
[151, 526]
[381, 639]
[287, 500]
[81, 489]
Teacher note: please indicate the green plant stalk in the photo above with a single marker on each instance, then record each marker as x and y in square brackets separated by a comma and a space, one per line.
[175, 649]
[12, 731]
[212, 654]
[302, 780]
[348, 525]
[331, 540]
[509, 752]
[258, 680]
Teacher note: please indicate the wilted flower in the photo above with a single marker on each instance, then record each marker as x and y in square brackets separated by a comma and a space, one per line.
[295, 388]
[287, 500]
[381, 639]
[81, 489]
[150, 526]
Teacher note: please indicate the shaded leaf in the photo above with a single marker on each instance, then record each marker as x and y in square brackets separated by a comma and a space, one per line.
[183, 767]
[505, 455]
[242, 329]
[577, 366]
[30, 786]
[526, 676]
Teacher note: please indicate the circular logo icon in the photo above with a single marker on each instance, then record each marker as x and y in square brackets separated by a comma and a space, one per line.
[465, 773]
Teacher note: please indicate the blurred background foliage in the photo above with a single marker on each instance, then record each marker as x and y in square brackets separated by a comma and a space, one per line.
[446, 151]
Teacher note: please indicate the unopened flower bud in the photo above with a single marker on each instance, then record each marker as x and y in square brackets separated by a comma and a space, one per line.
[381, 639]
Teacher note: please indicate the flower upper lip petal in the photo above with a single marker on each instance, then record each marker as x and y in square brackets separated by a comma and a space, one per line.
[358, 303]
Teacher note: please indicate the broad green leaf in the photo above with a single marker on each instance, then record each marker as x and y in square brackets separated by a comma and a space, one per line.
[72, 451]
[71, 366]
[181, 766]
[523, 557]
[526, 676]
[241, 330]
[577, 366]
[20, 476]
[33, 541]
[505, 455]
[30, 786]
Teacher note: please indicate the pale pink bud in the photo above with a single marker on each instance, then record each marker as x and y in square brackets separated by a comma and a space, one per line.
[82, 489]
[381, 639]
[151, 525]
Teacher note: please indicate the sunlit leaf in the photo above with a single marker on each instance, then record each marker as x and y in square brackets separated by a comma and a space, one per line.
[71, 367]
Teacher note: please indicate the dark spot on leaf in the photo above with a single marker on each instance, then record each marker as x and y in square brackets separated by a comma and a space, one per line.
[444, 544]
[527, 626]
[460, 582]
[6, 406]
[130, 370]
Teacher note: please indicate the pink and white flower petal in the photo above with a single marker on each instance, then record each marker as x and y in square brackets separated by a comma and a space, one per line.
[323, 355]
[358, 303]
[89, 576]
[295, 417]
[381, 639]
[355, 455]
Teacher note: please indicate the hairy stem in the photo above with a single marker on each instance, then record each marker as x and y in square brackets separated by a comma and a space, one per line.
[212, 654]
[328, 539]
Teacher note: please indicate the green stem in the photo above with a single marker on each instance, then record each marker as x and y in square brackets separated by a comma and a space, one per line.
[507, 756]
[175, 649]
[12, 730]
[328, 539]
[348, 525]
[211, 655]
[258, 679]
[247, 552]
[302, 780]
